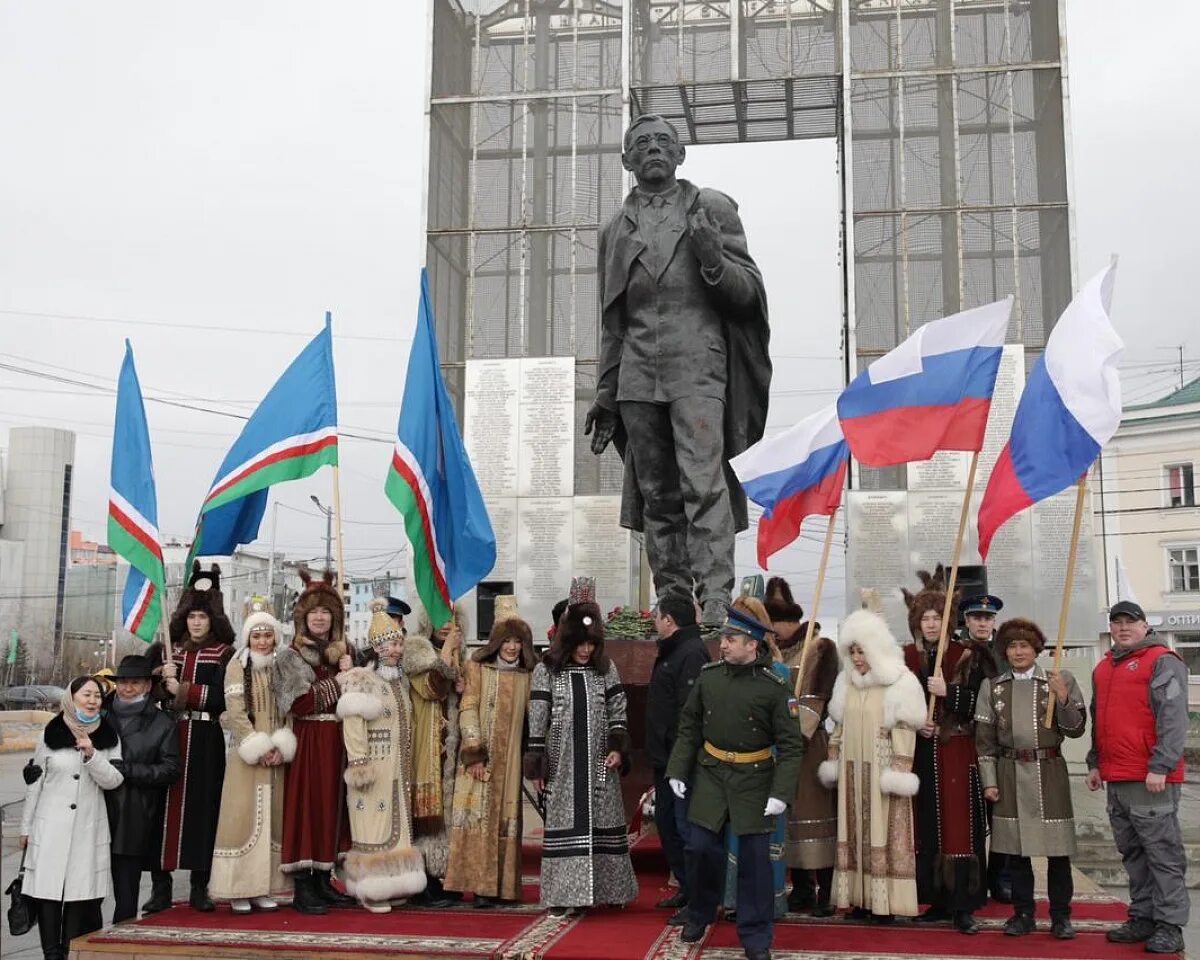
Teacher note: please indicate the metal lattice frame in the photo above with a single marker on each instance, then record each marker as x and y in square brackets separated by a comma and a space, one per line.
[950, 117]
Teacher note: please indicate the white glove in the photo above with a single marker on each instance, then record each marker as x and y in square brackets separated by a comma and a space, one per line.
[678, 787]
[774, 807]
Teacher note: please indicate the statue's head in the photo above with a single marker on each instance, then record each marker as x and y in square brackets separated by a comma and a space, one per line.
[652, 150]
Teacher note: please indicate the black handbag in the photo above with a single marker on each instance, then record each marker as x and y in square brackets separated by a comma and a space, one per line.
[21, 912]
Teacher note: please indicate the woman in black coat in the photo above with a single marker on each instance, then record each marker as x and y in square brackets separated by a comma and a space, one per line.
[150, 762]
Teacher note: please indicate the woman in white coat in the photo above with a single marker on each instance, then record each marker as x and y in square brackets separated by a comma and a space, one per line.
[64, 828]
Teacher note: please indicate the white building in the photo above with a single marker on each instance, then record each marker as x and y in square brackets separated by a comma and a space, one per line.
[362, 591]
[35, 523]
[1149, 521]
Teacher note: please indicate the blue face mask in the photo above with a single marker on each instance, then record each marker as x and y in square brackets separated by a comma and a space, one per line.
[84, 718]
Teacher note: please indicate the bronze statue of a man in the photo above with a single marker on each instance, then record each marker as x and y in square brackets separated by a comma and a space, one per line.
[684, 371]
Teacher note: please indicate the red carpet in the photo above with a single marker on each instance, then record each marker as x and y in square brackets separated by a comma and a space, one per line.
[637, 932]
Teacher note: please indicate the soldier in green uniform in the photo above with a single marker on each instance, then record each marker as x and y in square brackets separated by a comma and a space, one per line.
[738, 754]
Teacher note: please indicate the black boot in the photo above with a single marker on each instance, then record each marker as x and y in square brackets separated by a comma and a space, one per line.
[823, 906]
[802, 896]
[327, 893]
[49, 919]
[307, 899]
[162, 893]
[199, 898]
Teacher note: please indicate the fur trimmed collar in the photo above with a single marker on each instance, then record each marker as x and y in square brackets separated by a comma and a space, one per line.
[58, 737]
[312, 651]
[421, 656]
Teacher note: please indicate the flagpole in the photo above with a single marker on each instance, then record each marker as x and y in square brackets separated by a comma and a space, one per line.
[816, 604]
[337, 525]
[1069, 580]
[962, 528]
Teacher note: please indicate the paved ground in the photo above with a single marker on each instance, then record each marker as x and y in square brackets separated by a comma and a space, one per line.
[1089, 807]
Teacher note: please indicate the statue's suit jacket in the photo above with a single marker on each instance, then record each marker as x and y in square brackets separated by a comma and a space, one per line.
[746, 331]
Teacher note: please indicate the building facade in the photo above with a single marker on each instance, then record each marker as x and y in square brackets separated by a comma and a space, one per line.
[35, 525]
[361, 591]
[1148, 519]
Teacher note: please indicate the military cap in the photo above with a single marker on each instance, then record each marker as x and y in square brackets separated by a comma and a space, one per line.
[741, 623]
[982, 603]
[397, 607]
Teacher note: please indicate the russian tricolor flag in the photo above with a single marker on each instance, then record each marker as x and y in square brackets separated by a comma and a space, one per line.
[932, 392]
[1070, 408]
[794, 475]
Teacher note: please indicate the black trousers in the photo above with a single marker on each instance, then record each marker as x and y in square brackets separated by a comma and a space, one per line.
[670, 817]
[126, 880]
[60, 922]
[1060, 886]
[755, 884]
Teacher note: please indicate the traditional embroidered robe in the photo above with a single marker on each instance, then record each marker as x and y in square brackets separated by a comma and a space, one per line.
[575, 717]
[194, 800]
[382, 863]
[250, 832]
[485, 821]
[1033, 817]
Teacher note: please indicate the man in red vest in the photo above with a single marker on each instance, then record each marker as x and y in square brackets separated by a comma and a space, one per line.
[1139, 730]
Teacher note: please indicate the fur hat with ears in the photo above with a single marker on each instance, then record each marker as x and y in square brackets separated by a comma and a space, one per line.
[320, 593]
[931, 596]
[508, 628]
[581, 621]
[1018, 628]
[203, 593]
[779, 603]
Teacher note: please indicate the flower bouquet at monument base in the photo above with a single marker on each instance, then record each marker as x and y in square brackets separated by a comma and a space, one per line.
[629, 623]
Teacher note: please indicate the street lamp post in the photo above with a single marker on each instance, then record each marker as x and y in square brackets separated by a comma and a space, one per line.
[328, 511]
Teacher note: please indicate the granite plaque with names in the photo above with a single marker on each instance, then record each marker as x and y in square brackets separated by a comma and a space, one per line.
[932, 527]
[546, 461]
[503, 514]
[877, 550]
[602, 549]
[490, 424]
[545, 554]
[945, 470]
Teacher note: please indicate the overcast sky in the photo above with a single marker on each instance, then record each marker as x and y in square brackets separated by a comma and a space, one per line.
[208, 179]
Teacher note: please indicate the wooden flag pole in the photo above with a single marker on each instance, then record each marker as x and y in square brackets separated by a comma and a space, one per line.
[962, 529]
[337, 526]
[1068, 583]
[816, 604]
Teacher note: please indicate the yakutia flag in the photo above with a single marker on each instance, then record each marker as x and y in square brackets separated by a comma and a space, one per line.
[1070, 408]
[796, 474]
[933, 392]
[133, 508]
[432, 484]
[292, 434]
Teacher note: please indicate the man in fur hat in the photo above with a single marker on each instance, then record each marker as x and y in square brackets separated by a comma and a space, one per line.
[306, 688]
[811, 846]
[433, 663]
[951, 818]
[193, 690]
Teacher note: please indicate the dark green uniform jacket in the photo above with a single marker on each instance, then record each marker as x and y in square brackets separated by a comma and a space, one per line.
[742, 707]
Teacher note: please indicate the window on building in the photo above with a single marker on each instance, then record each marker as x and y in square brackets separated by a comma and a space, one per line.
[1181, 486]
[1187, 645]
[1184, 565]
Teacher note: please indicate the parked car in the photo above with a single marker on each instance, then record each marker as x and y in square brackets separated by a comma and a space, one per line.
[35, 697]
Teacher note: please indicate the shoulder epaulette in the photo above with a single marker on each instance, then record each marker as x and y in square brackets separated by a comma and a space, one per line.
[711, 664]
[768, 671]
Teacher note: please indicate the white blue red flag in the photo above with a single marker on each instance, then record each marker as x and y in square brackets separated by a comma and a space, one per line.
[795, 474]
[1070, 408]
[933, 392]
[292, 434]
[432, 484]
[133, 508]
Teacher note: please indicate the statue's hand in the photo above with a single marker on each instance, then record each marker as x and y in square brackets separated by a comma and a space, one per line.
[604, 423]
[706, 239]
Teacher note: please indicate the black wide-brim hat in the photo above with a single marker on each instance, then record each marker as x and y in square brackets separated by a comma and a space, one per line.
[133, 667]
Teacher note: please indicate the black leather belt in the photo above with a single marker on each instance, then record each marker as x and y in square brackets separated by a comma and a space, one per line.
[1028, 756]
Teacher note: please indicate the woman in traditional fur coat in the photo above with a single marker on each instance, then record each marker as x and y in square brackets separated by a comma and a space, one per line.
[246, 870]
[433, 662]
[951, 816]
[376, 711]
[578, 741]
[306, 690]
[485, 822]
[1025, 775]
[812, 817]
[877, 705]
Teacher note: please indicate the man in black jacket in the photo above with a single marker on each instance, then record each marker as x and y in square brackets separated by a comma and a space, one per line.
[681, 656]
[150, 763]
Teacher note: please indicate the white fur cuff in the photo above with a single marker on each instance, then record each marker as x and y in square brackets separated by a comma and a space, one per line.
[898, 783]
[285, 742]
[359, 705]
[827, 773]
[255, 747]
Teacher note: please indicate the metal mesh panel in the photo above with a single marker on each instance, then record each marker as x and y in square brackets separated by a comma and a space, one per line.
[787, 38]
[680, 41]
